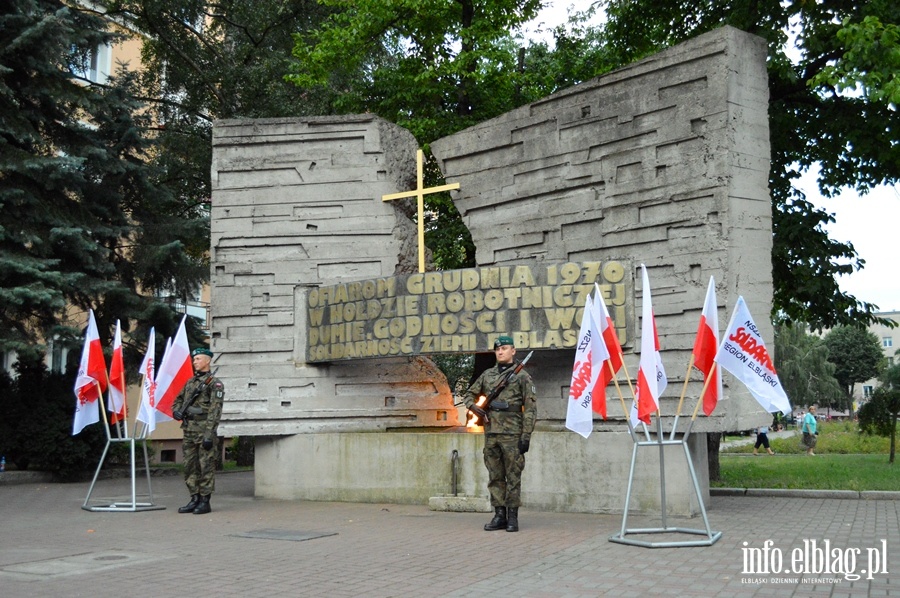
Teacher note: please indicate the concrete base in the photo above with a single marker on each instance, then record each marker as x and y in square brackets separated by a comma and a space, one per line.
[564, 472]
[460, 504]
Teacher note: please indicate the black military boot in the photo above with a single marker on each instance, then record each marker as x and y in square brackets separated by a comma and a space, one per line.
[189, 508]
[203, 506]
[498, 522]
[512, 523]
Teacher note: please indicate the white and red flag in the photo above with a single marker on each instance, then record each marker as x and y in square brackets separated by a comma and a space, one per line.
[147, 410]
[705, 346]
[743, 353]
[585, 394]
[116, 399]
[610, 339]
[652, 380]
[91, 381]
[174, 371]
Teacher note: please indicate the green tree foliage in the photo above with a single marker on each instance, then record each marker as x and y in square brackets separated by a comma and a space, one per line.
[431, 66]
[436, 68]
[36, 427]
[84, 221]
[879, 414]
[458, 369]
[803, 367]
[856, 354]
[204, 61]
[853, 137]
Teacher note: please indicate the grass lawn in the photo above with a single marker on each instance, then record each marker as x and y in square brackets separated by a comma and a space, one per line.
[821, 472]
[844, 460]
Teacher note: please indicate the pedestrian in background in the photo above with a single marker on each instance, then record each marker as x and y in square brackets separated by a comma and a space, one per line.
[762, 440]
[810, 431]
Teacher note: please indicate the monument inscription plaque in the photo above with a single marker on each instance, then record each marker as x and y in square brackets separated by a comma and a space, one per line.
[540, 305]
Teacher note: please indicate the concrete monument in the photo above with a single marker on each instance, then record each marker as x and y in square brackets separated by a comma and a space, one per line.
[322, 322]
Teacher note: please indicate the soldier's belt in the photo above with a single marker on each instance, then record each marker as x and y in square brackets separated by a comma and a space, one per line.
[505, 406]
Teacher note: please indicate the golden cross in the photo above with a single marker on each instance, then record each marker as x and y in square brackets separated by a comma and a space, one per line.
[419, 193]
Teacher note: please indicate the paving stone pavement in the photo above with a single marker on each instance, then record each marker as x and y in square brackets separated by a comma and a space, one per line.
[50, 546]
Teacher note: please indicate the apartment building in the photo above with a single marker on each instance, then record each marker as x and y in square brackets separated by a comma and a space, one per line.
[890, 343]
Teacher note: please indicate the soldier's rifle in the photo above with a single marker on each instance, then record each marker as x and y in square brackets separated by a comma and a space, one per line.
[187, 404]
[480, 411]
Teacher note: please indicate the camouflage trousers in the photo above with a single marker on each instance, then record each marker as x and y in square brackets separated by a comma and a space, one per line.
[199, 464]
[504, 463]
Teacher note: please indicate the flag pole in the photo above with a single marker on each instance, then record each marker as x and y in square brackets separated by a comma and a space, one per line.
[103, 408]
[122, 424]
[634, 397]
[140, 401]
[687, 378]
[615, 378]
[662, 468]
[125, 409]
[124, 419]
[712, 375]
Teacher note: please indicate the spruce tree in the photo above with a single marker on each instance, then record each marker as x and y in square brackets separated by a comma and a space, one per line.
[86, 220]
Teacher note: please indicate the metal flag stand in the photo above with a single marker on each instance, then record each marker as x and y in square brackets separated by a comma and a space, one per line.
[124, 506]
[711, 536]
[621, 537]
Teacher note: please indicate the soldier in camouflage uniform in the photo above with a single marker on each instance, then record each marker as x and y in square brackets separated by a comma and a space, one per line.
[508, 425]
[200, 422]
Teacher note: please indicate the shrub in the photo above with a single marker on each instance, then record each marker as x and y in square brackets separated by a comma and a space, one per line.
[38, 409]
[834, 437]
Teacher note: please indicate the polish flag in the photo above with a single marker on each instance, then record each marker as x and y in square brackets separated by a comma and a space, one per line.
[91, 381]
[159, 415]
[116, 400]
[705, 346]
[585, 395]
[743, 353]
[174, 372]
[610, 339]
[147, 410]
[651, 375]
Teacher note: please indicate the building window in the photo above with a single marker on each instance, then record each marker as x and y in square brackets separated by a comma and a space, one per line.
[887, 341]
[167, 456]
[867, 392]
[58, 358]
[890, 362]
[96, 65]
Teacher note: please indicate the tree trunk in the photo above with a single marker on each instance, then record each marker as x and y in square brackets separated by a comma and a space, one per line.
[850, 402]
[713, 439]
[893, 439]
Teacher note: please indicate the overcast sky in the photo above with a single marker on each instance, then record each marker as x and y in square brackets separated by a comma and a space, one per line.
[869, 222]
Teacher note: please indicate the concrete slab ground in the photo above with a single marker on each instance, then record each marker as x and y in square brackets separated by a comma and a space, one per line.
[247, 547]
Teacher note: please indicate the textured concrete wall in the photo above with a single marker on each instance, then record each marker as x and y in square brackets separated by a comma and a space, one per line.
[665, 163]
[296, 204]
[563, 471]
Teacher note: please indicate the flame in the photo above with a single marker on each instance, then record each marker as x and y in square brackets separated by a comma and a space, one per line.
[470, 418]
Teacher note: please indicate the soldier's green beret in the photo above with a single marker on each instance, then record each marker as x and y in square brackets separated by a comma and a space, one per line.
[504, 340]
[202, 351]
